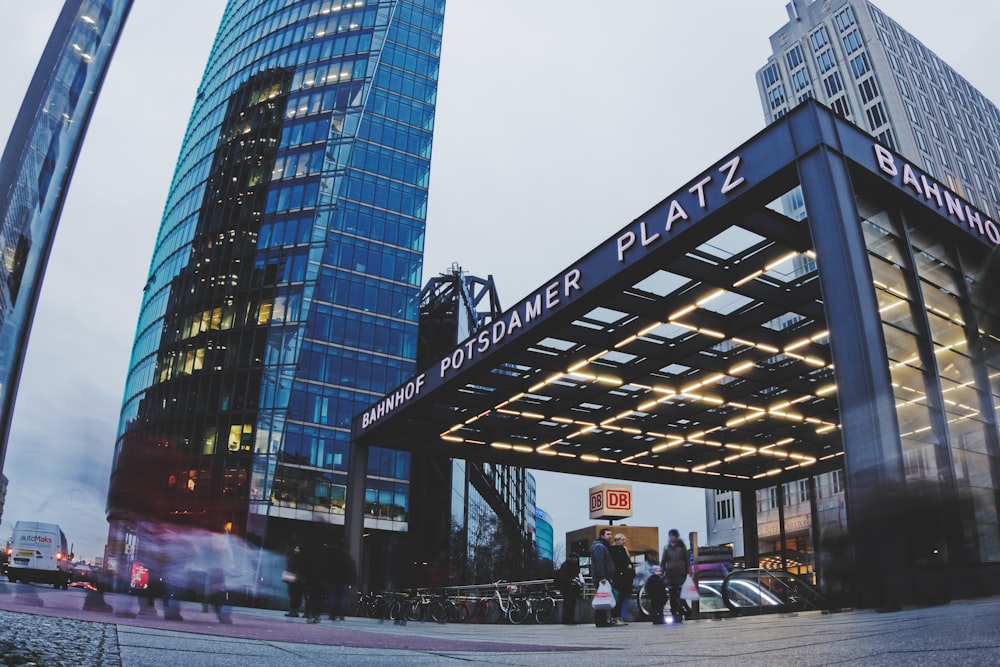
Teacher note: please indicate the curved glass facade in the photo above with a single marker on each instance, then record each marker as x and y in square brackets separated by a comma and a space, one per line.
[281, 298]
[37, 166]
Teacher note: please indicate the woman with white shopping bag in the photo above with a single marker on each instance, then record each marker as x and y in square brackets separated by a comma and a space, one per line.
[676, 568]
[602, 571]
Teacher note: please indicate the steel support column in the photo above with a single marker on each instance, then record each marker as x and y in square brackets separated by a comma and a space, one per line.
[354, 512]
[875, 484]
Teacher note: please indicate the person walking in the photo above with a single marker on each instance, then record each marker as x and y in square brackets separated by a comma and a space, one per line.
[569, 583]
[676, 567]
[343, 575]
[656, 591]
[602, 570]
[294, 578]
[622, 582]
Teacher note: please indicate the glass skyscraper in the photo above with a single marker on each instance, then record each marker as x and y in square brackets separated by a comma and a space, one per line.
[282, 293]
[37, 166]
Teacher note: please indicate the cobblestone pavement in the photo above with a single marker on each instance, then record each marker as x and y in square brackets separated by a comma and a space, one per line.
[45, 641]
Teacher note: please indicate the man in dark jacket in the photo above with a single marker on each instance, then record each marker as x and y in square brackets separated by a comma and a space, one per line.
[568, 582]
[676, 567]
[624, 576]
[602, 569]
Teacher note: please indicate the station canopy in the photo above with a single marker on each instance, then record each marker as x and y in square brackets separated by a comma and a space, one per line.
[690, 348]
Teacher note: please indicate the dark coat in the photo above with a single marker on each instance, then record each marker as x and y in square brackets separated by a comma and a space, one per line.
[566, 580]
[656, 591]
[602, 566]
[675, 563]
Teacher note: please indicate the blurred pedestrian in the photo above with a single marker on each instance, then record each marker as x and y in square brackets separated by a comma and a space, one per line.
[676, 567]
[570, 584]
[294, 578]
[656, 592]
[343, 575]
[602, 570]
[622, 582]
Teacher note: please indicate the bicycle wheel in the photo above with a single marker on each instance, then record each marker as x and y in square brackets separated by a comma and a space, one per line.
[396, 611]
[459, 612]
[438, 611]
[413, 610]
[518, 612]
[543, 609]
[481, 611]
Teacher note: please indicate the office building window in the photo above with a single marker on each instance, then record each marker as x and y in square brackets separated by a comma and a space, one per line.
[844, 19]
[860, 65]
[776, 96]
[825, 61]
[911, 111]
[876, 116]
[921, 140]
[833, 84]
[888, 139]
[852, 41]
[841, 106]
[868, 89]
[794, 57]
[819, 39]
[903, 86]
[770, 75]
[800, 79]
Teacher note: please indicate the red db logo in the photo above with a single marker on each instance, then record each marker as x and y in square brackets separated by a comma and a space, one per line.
[619, 500]
[596, 501]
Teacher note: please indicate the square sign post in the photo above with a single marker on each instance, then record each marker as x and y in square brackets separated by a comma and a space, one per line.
[611, 501]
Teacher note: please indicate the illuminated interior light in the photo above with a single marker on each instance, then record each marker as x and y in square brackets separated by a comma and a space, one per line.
[577, 365]
[607, 379]
[632, 431]
[589, 458]
[523, 449]
[562, 420]
[713, 333]
[452, 438]
[797, 344]
[773, 471]
[739, 368]
[781, 260]
[505, 411]
[709, 297]
[567, 455]
[645, 407]
[582, 376]
[626, 341]
[546, 452]
[826, 429]
[745, 280]
[681, 313]
[767, 348]
[532, 415]
[501, 445]
[827, 389]
[650, 328]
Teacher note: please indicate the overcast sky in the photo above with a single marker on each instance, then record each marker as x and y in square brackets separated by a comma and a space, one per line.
[557, 123]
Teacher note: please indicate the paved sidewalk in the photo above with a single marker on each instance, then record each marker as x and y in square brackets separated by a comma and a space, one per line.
[961, 633]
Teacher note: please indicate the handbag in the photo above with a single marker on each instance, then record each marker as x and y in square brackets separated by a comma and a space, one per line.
[289, 577]
[689, 590]
[604, 598]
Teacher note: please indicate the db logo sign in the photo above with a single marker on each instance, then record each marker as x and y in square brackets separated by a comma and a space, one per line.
[608, 500]
[596, 501]
[619, 500]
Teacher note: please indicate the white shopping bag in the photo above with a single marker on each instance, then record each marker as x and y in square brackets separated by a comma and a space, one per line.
[604, 598]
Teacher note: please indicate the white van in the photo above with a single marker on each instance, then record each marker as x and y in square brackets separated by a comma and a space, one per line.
[38, 553]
